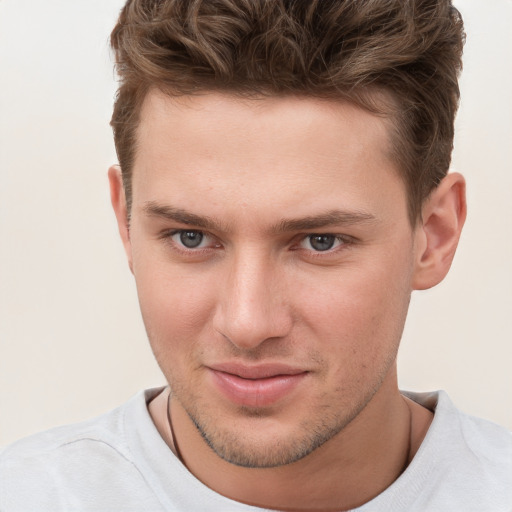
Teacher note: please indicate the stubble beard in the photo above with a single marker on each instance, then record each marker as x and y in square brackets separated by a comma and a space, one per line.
[249, 449]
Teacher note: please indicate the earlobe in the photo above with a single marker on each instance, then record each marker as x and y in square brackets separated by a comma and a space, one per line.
[118, 200]
[438, 231]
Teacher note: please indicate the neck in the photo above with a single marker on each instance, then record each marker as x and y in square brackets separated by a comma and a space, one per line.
[350, 469]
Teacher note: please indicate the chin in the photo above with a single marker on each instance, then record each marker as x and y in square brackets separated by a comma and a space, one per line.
[268, 443]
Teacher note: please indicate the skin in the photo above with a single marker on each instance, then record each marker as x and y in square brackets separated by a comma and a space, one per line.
[257, 178]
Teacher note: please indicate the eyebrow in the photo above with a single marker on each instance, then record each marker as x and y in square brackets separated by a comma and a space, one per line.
[182, 216]
[329, 218]
[322, 220]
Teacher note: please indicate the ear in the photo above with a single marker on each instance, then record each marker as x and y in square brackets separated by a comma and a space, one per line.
[118, 199]
[437, 233]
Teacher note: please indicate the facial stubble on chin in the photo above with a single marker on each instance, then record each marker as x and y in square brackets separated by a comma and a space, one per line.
[244, 450]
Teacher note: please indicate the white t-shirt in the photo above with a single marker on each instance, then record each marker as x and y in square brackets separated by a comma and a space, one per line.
[119, 462]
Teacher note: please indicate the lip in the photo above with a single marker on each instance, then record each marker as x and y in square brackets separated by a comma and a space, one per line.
[256, 386]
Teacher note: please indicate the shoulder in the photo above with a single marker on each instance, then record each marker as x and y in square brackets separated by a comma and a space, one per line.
[63, 466]
[102, 430]
[487, 440]
[481, 436]
[468, 458]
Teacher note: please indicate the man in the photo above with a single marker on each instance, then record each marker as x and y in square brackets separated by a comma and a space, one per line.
[282, 189]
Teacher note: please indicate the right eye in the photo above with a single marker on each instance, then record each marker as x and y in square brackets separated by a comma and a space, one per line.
[190, 239]
[322, 242]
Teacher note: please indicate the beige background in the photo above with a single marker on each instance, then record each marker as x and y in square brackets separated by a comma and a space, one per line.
[72, 344]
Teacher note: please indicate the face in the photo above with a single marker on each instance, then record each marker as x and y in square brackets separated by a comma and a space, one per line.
[273, 257]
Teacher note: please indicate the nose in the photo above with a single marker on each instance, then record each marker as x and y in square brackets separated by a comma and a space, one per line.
[252, 306]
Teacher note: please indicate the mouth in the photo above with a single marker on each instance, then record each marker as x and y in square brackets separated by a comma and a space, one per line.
[256, 386]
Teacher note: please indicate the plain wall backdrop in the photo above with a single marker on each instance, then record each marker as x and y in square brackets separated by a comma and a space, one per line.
[72, 343]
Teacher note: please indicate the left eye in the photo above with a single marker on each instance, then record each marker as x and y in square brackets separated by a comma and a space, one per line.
[190, 239]
[321, 242]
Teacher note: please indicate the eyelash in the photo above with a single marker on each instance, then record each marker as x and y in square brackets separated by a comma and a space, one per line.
[345, 242]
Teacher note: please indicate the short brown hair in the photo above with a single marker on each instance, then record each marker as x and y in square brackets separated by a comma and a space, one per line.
[338, 49]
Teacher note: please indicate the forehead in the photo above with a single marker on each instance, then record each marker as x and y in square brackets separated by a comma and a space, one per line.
[264, 117]
[288, 151]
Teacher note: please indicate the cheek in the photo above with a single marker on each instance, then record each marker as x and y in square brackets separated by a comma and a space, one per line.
[175, 304]
[359, 311]
[359, 330]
